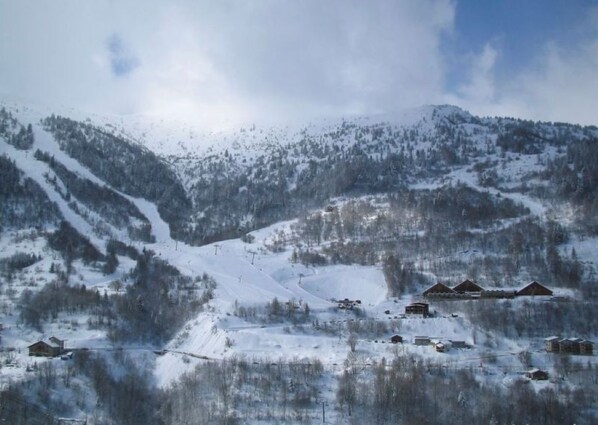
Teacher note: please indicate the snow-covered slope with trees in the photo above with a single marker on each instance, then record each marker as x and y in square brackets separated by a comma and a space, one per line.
[224, 259]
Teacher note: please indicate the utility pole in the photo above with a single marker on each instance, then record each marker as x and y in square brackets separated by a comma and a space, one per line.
[323, 412]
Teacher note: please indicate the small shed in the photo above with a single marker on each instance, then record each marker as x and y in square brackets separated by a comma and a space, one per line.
[551, 344]
[395, 339]
[468, 286]
[534, 289]
[537, 374]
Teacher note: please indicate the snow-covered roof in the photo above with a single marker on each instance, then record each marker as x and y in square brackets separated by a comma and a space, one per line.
[552, 338]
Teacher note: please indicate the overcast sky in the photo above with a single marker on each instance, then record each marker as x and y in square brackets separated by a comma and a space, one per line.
[232, 61]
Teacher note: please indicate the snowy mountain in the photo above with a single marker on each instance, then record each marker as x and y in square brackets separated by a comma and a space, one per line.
[167, 258]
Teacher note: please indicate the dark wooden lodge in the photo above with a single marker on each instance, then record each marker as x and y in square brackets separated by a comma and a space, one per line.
[51, 348]
[396, 339]
[534, 289]
[468, 286]
[438, 289]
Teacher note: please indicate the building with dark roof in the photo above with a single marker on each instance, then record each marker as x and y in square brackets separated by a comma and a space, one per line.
[534, 289]
[439, 288]
[537, 374]
[418, 308]
[468, 286]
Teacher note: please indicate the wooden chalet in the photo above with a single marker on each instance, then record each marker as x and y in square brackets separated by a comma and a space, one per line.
[537, 374]
[53, 347]
[396, 339]
[551, 344]
[534, 289]
[467, 286]
[586, 348]
[439, 289]
[418, 308]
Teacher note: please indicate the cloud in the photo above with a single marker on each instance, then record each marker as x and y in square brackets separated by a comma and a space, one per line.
[559, 82]
[232, 61]
[480, 88]
[561, 86]
[122, 61]
[227, 60]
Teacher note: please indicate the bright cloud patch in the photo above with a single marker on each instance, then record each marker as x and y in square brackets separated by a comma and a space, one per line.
[227, 63]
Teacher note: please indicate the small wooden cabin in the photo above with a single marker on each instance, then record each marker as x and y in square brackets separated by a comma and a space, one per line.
[51, 348]
[396, 339]
[537, 375]
[418, 308]
[44, 349]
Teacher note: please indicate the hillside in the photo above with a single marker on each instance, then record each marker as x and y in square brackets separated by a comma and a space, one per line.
[217, 265]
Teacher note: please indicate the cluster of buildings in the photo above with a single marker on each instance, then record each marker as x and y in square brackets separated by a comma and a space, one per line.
[440, 345]
[555, 344]
[470, 290]
[348, 304]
